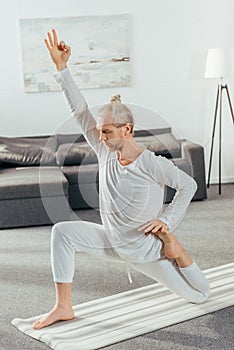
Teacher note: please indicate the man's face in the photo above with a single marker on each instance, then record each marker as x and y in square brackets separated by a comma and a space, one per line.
[112, 136]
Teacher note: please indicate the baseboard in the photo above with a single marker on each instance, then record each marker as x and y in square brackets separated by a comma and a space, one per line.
[226, 180]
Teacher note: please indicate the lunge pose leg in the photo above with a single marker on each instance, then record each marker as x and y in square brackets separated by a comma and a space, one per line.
[67, 238]
[177, 271]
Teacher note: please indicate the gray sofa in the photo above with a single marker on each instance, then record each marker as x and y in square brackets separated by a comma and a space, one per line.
[44, 179]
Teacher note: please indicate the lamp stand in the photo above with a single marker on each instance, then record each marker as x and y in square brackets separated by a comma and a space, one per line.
[221, 87]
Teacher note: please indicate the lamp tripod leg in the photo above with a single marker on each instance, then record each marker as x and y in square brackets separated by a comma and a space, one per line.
[230, 104]
[220, 138]
[213, 133]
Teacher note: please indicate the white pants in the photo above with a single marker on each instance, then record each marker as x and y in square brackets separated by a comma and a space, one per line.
[82, 236]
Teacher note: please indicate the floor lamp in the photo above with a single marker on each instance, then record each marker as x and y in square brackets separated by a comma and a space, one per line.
[219, 65]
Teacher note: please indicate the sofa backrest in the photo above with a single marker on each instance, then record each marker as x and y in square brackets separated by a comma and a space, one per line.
[72, 149]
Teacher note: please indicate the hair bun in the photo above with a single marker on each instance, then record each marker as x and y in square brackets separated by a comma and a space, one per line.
[115, 99]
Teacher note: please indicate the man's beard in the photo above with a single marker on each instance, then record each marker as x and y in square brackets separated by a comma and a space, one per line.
[112, 147]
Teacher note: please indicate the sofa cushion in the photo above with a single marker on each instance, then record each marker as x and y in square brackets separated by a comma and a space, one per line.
[28, 151]
[184, 164]
[75, 154]
[162, 144]
[28, 182]
[83, 174]
[150, 132]
[69, 138]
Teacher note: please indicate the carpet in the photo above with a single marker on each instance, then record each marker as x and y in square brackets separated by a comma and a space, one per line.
[122, 316]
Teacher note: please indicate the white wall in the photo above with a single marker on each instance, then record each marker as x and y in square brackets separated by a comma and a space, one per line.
[169, 44]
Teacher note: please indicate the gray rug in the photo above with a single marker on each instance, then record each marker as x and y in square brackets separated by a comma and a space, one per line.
[105, 321]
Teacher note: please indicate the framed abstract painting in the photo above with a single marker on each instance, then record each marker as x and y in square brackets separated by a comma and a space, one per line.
[100, 51]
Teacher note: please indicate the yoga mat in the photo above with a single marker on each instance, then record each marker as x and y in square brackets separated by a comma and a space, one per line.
[122, 316]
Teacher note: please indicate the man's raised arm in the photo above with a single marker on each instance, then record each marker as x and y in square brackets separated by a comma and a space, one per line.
[60, 53]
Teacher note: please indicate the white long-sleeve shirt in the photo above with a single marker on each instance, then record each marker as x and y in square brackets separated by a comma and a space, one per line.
[131, 195]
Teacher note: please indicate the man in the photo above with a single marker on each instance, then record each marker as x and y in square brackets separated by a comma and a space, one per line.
[131, 188]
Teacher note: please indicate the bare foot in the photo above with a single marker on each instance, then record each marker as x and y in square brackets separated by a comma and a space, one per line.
[56, 314]
[174, 250]
[172, 247]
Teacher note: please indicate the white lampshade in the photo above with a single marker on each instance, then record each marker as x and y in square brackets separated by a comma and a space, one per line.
[219, 63]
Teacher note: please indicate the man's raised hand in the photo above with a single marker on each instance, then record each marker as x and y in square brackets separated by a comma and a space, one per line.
[59, 52]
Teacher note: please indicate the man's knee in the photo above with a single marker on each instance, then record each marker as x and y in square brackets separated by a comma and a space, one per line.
[60, 239]
[201, 296]
[57, 232]
[56, 227]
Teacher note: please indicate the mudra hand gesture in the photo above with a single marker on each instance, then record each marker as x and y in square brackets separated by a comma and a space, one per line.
[59, 52]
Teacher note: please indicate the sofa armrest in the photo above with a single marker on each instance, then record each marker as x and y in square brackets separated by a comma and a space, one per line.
[194, 153]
